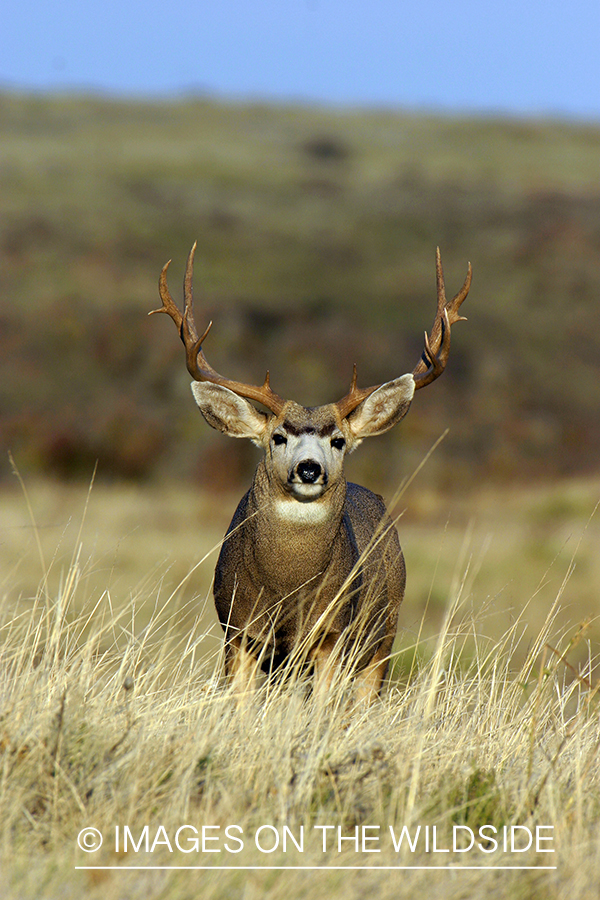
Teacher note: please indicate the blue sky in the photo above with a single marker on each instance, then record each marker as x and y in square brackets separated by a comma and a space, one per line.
[516, 57]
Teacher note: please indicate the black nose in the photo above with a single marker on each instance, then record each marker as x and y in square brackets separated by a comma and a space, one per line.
[308, 471]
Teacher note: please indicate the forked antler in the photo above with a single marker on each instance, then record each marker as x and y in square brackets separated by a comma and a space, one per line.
[437, 345]
[197, 364]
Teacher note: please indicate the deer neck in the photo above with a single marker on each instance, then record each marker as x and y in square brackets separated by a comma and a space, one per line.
[298, 539]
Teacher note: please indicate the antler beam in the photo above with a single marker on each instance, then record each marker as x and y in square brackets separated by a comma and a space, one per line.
[197, 364]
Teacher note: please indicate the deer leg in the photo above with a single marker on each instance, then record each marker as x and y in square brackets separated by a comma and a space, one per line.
[369, 681]
[240, 668]
[324, 666]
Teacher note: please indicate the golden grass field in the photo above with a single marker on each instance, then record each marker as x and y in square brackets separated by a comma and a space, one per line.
[113, 715]
[317, 230]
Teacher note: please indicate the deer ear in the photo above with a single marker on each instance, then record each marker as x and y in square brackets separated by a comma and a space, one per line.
[229, 413]
[383, 408]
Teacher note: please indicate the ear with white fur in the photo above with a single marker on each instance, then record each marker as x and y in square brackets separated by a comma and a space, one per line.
[383, 408]
[229, 413]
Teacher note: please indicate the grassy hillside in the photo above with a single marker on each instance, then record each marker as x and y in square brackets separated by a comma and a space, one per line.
[109, 721]
[317, 231]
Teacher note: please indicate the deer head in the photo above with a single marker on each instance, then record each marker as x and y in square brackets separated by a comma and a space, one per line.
[305, 447]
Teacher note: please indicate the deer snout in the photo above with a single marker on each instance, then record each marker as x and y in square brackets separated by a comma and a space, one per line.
[309, 471]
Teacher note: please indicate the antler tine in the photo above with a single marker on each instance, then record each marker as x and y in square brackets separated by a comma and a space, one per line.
[169, 306]
[197, 364]
[188, 296]
[437, 344]
[355, 396]
[189, 332]
[454, 305]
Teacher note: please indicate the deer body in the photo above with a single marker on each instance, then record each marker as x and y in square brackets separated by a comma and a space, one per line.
[301, 579]
[310, 570]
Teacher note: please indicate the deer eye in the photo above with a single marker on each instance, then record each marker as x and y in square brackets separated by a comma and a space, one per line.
[279, 439]
[338, 443]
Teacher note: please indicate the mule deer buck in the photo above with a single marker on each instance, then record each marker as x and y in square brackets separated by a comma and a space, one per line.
[311, 565]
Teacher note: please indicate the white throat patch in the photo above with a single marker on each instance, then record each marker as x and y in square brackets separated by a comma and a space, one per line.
[302, 513]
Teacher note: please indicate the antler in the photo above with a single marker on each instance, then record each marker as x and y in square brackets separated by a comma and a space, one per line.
[437, 346]
[197, 364]
[354, 397]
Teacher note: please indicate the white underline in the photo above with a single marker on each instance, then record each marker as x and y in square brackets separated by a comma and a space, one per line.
[323, 868]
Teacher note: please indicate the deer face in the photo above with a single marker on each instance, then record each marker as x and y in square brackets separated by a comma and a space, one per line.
[305, 447]
[306, 450]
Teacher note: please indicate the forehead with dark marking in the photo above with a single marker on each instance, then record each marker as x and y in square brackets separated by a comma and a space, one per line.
[317, 420]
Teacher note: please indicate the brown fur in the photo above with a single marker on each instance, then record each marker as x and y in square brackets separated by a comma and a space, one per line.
[301, 579]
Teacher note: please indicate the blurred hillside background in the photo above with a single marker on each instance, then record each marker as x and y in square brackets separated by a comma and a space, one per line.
[316, 238]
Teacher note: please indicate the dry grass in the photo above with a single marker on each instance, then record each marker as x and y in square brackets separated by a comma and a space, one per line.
[110, 718]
